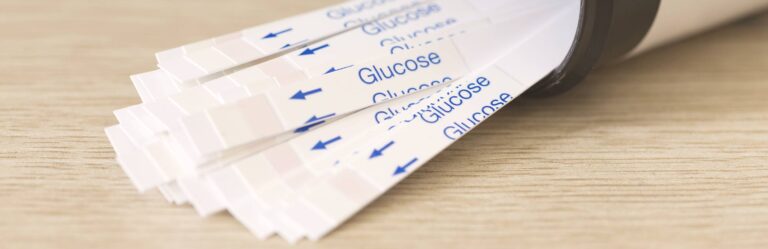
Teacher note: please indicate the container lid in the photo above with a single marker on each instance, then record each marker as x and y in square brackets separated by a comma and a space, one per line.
[608, 29]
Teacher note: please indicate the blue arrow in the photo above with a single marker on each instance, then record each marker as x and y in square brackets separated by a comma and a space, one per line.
[404, 168]
[276, 34]
[301, 95]
[378, 152]
[320, 145]
[307, 127]
[311, 51]
[334, 69]
[315, 118]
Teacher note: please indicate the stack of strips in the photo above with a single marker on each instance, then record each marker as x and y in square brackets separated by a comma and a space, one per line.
[295, 125]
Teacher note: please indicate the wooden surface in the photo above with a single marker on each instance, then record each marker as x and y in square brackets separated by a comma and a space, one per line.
[668, 150]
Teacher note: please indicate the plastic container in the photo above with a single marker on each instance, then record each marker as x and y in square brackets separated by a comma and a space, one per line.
[612, 30]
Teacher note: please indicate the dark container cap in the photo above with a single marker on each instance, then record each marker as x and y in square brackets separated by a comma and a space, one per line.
[607, 30]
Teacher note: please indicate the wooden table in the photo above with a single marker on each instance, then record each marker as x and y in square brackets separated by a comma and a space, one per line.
[667, 150]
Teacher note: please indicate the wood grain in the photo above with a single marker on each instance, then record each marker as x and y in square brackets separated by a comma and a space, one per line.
[667, 150]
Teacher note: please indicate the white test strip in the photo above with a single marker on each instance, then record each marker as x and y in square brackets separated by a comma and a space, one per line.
[304, 104]
[247, 91]
[338, 52]
[237, 47]
[231, 87]
[289, 107]
[286, 158]
[147, 183]
[284, 70]
[388, 35]
[247, 187]
[253, 106]
[251, 215]
[251, 207]
[169, 173]
[361, 178]
[307, 208]
[211, 56]
[158, 162]
[305, 151]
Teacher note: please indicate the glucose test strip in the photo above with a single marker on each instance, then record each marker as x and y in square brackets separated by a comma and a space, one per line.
[313, 144]
[283, 157]
[520, 6]
[204, 58]
[153, 85]
[397, 32]
[140, 183]
[167, 111]
[338, 52]
[198, 61]
[390, 157]
[261, 168]
[296, 105]
[194, 99]
[286, 69]
[250, 80]
[253, 104]
[457, 130]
